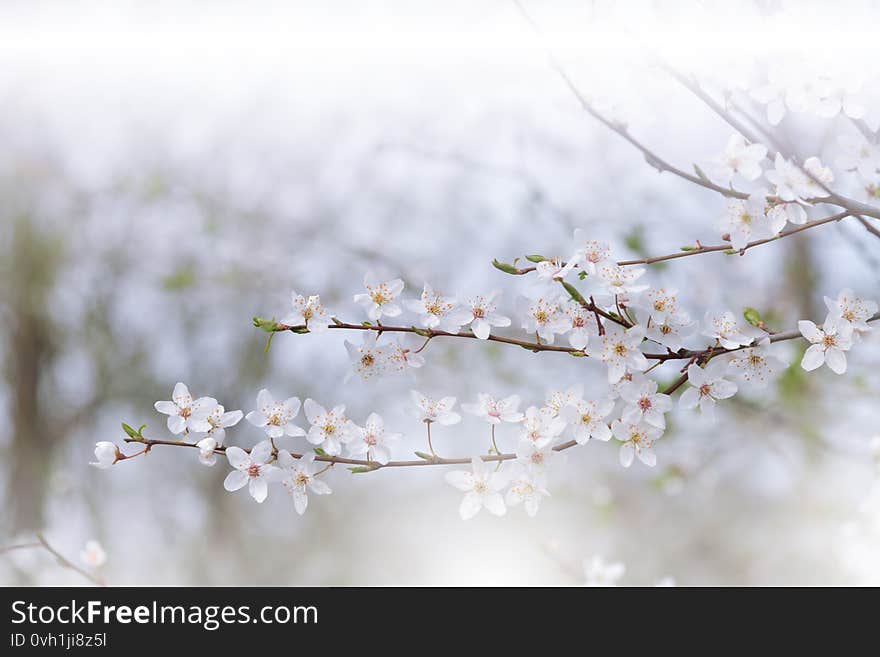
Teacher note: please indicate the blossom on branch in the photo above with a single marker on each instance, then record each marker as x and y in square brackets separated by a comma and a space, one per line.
[380, 297]
[481, 487]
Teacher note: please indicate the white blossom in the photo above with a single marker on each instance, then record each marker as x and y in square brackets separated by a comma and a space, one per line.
[429, 410]
[671, 331]
[556, 400]
[275, 417]
[219, 420]
[793, 183]
[728, 331]
[849, 309]
[93, 554]
[779, 213]
[858, 154]
[526, 488]
[658, 302]
[106, 454]
[707, 386]
[551, 270]
[756, 365]
[307, 311]
[582, 325]
[184, 413]
[619, 350]
[484, 315]
[600, 573]
[746, 220]
[828, 345]
[401, 354]
[298, 476]
[372, 440]
[380, 298]
[481, 487]
[537, 459]
[739, 157]
[588, 419]
[544, 316]
[329, 429]
[638, 441]
[495, 411]
[589, 254]
[643, 402]
[368, 359]
[541, 428]
[439, 312]
[619, 280]
[253, 470]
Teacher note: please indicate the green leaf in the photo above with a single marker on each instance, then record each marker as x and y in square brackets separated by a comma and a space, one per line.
[753, 317]
[506, 268]
[582, 275]
[572, 290]
[535, 258]
[130, 431]
[141, 430]
[320, 452]
[301, 330]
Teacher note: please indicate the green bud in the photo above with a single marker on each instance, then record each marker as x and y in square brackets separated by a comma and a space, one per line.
[422, 455]
[535, 258]
[361, 468]
[130, 431]
[267, 325]
[753, 317]
[689, 248]
[506, 268]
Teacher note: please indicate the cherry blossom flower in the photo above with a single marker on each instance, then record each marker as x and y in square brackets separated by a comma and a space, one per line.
[526, 488]
[828, 345]
[484, 315]
[207, 447]
[540, 428]
[482, 488]
[537, 459]
[739, 157]
[589, 254]
[380, 297]
[582, 324]
[543, 316]
[620, 280]
[707, 386]
[557, 400]
[401, 354]
[779, 213]
[793, 183]
[106, 454]
[858, 154]
[849, 309]
[638, 440]
[371, 440]
[308, 312]
[298, 476]
[658, 302]
[368, 359]
[729, 332]
[773, 94]
[551, 270]
[218, 420]
[428, 410]
[439, 312]
[329, 428]
[253, 470]
[600, 573]
[746, 220]
[643, 402]
[756, 365]
[495, 411]
[275, 417]
[671, 331]
[183, 412]
[588, 419]
[619, 350]
[93, 554]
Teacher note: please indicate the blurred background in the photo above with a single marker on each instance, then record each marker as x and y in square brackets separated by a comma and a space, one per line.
[170, 170]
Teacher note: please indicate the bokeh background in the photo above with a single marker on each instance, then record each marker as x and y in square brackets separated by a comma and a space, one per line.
[169, 170]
